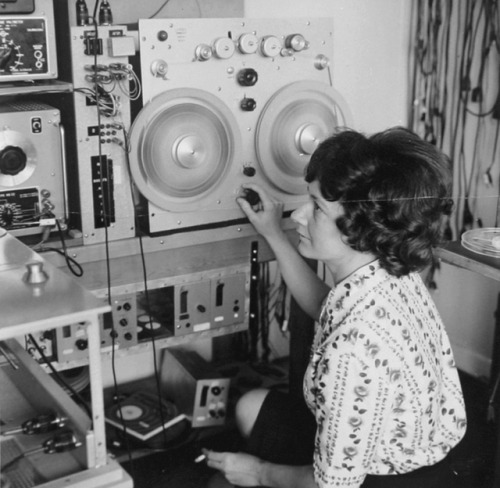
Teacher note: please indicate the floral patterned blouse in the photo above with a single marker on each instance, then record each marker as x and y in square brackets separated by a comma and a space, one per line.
[381, 382]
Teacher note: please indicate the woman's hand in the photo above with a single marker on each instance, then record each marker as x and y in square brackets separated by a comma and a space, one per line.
[238, 468]
[265, 215]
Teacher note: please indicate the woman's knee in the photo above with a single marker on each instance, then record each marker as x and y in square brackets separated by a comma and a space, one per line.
[248, 408]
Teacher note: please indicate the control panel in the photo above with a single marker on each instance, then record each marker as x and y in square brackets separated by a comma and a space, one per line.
[27, 42]
[103, 87]
[192, 304]
[226, 102]
[32, 167]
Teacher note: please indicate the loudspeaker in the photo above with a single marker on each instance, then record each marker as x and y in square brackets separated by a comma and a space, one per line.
[229, 101]
[32, 173]
[194, 386]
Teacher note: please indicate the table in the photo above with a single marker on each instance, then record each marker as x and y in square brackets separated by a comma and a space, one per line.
[455, 254]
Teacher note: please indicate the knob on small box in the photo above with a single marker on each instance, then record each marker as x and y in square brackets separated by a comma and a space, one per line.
[195, 387]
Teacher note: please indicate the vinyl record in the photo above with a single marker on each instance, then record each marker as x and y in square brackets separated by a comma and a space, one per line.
[150, 329]
[182, 145]
[128, 412]
[485, 241]
[294, 121]
[140, 416]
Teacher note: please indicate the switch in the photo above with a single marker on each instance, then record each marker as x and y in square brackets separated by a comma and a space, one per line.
[249, 170]
[248, 104]
[247, 77]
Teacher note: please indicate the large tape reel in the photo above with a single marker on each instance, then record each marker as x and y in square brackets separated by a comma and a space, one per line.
[292, 124]
[182, 145]
[17, 158]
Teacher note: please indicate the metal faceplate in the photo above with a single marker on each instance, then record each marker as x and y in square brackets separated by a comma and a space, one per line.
[229, 101]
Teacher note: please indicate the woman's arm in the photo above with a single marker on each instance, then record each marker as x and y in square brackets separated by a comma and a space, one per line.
[247, 470]
[304, 284]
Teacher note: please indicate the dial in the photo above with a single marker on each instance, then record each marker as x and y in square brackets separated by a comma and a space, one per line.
[9, 212]
[248, 43]
[223, 47]
[23, 46]
[10, 54]
[270, 46]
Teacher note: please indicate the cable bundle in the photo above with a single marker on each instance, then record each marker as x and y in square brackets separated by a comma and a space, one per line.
[456, 99]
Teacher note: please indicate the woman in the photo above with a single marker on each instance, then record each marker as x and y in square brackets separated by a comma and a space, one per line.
[381, 384]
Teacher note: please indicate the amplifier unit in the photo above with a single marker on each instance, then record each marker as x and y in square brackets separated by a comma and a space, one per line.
[187, 304]
[27, 41]
[32, 173]
[195, 387]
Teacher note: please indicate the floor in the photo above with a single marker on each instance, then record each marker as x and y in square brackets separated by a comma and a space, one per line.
[175, 467]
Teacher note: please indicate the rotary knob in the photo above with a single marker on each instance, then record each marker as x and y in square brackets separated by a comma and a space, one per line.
[7, 214]
[270, 46]
[296, 42]
[248, 104]
[223, 48]
[248, 43]
[203, 52]
[12, 160]
[247, 77]
[159, 68]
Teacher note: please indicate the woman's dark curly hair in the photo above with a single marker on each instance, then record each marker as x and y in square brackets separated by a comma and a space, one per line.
[394, 188]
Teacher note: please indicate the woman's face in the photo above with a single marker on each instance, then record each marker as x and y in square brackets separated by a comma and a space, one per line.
[320, 237]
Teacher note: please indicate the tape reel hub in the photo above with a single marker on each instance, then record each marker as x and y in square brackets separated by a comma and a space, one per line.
[188, 151]
[183, 144]
[308, 137]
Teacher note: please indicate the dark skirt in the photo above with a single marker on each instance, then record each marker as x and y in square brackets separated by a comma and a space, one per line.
[284, 433]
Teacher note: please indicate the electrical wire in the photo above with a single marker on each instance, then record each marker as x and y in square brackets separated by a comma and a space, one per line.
[59, 378]
[106, 200]
[164, 4]
[146, 289]
[72, 264]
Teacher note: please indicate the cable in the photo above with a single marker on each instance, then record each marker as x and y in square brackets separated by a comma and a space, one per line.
[165, 3]
[106, 216]
[59, 377]
[72, 264]
[456, 49]
[146, 291]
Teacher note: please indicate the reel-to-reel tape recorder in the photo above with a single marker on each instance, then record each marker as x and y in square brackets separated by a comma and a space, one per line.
[228, 101]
